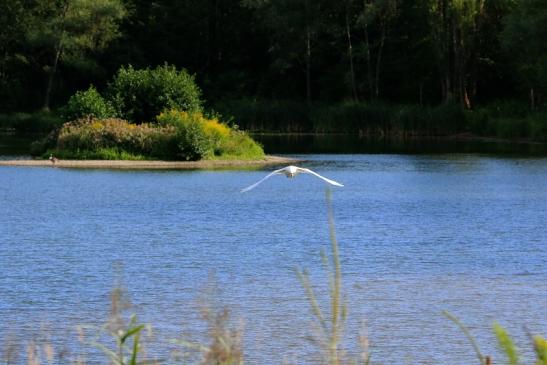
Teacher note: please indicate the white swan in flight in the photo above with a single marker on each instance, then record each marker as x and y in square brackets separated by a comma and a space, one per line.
[291, 171]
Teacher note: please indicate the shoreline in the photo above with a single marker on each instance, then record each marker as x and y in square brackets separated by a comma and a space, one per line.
[151, 164]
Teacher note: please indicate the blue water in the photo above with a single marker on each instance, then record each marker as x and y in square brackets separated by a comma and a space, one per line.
[418, 234]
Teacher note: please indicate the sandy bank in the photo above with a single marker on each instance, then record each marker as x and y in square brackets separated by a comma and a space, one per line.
[150, 165]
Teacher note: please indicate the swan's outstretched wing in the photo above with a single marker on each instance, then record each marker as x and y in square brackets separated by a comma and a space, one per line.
[264, 178]
[308, 171]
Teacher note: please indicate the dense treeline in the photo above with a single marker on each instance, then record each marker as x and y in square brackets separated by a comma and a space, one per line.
[398, 51]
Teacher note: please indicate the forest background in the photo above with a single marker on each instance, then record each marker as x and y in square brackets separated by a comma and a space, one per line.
[270, 65]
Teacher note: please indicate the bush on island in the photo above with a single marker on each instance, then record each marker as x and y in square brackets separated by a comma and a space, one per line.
[177, 136]
[200, 137]
[140, 95]
[93, 135]
[88, 103]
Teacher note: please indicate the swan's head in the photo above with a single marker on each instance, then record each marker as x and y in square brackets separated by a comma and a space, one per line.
[291, 171]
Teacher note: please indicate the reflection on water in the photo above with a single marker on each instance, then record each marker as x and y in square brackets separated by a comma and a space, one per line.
[418, 234]
[328, 143]
[17, 146]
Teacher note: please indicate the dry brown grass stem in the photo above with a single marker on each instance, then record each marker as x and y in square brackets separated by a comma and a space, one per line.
[329, 328]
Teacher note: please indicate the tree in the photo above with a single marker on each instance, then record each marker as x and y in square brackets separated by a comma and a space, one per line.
[69, 30]
[14, 19]
[377, 17]
[524, 37]
[457, 29]
[294, 27]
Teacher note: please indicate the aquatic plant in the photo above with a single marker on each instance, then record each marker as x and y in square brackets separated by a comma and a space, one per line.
[119, 329]
[330, 325]
[505, 344]
[225, 344]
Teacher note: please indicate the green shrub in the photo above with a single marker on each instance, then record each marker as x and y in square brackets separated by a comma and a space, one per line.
[512, 128]
[99, 154]
[140, 95]
[200, 137]
[41, 146]
[446, 119]
[267, 115]
[352, 117]
[538, 127]
[373, 119]
[88, 103]
[192, 140]
[479, 122]
[178, 136]
[37, 122]
[110, 139]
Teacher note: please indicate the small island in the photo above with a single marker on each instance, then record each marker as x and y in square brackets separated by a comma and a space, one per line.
[145, 115]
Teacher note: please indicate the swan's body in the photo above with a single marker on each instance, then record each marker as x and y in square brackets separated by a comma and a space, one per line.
[291, 171]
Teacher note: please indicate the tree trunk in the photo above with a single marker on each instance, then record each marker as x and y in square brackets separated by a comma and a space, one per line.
[58, 51]
[350, 56]
[308, 57]
[51, 77]
[369, 65]
[457, 86]
[378, 63]
[444, 47]
[368, 57]
[532, 99]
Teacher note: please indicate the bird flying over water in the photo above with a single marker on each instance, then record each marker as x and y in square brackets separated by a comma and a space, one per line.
[291, 171]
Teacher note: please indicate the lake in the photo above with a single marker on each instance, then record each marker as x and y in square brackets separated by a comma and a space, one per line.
[418, 234]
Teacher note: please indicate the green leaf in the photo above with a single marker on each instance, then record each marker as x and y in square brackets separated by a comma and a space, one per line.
[130, 332]
[468, 335]
[133, 360]
[506, 344]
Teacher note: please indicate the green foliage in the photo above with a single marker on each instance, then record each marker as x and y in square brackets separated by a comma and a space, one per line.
[540, 347]
[225, 347]
[373, 119]
[38, 122]
[524, 39]
[88, 103]
[76, 25]
[199, 137]
[267, 115]
[363, 118]
[179, 136]
[192, 140]
[98, 154]
[501, 119]
[482, 359]
[109, 139]
[70, 31]
[506, 344]
[121, 330]
[508, 120]
[140, 95]
[330, 324]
